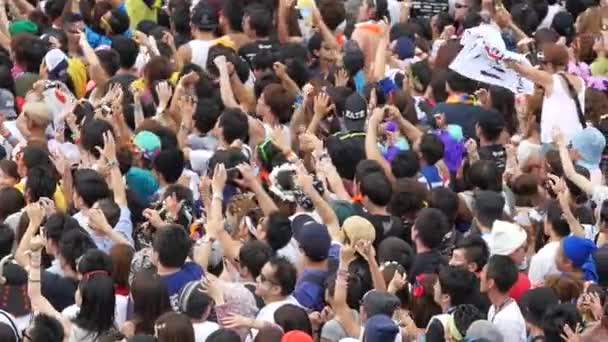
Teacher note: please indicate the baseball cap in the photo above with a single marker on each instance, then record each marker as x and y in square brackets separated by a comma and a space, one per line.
[22, 26]
[505, 238]
[313, 238]
[355, 112]
[378, 302]
[535, 302]
[205, 16]
[357, 228]
[148, 143]
[55, 61]
[380, 328]
[589, 143]
[7, 104]
[296, 336]
[483, 330]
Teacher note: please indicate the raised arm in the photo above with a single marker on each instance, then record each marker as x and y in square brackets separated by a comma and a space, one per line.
[35, 213]
[305, 182]
[225, 86]
[537, 76]
[569, 171]
[341, 308]
[371, 142]
[249, 181]
[96, 71]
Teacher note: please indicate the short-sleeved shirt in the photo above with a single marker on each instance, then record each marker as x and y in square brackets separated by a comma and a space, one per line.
[189, 272]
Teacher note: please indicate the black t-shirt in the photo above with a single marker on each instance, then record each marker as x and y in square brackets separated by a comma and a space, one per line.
[428, 262]
[495, 153]
[249, 51]
[58, 290]
[384, 225]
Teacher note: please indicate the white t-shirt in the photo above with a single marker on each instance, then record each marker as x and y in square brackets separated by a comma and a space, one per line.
[543, 263]
[509, 321]
[267, 313]
[203, 330]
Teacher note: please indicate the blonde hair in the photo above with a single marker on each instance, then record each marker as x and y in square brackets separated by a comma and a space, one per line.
[38, 113]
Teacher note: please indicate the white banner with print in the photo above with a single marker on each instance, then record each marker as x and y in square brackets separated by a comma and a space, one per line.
[482, 59]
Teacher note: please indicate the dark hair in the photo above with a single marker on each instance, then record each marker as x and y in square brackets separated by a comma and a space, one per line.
[127, 50]
[109, 61]
[503, 271]
[290, 317]
[58, 224]
[437, 84]
[447, 201]
[456, 282]
[150, 300]
[96, 314]
[431, 225]
[280, 102]
[46, 328]
[206, 115]
[224, 335]
[29, 51]
[556, 54]
[94, 260]
[40, 183]
[172, 244]
[431, 148]
[267, 334]
[488, 207]
[12, 201]
[90, 186]
[424, 307]
[464, 315]
[8, 333]
[354, 290]
[394, 249]
[346, 150]
[234, 124]
[260, 19]
[475, 250]
[158, 68]
[278, 230]
[556, 318]
[110, 209]
[193, 302]
[485, 175]
[405, 164]
[409, 197]
[73, 244]
[7, 238]
[233, 11]
[377, 188]
[577, 194]
[333, 13]
[459, 83]
[92, 135]
[366, 167]
[174, 327]
[555, 217]
[170, 164]
[9, 168]
[253, 255]
[285, 274]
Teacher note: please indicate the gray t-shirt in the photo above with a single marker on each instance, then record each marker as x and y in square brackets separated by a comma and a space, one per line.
[333, 331]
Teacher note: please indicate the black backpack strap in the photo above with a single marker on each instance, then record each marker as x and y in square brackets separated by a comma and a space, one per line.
[574, 96]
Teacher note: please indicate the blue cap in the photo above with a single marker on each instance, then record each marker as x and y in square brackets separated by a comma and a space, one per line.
[380, 328]
[589, 143]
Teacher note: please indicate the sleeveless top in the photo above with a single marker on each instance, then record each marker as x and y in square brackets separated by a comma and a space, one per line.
[200, 51]
[559, 110]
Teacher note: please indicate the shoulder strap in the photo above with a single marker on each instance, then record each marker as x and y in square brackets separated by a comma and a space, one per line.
[12, 324]
[574, 96]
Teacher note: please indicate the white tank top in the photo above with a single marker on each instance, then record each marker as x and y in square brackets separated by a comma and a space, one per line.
[200, 51]
[559, 110]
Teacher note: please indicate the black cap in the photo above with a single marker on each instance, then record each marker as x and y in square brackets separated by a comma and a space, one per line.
[355, 112]
[205, 16]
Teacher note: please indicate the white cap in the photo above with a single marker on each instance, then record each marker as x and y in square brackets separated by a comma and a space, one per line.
[505, 238]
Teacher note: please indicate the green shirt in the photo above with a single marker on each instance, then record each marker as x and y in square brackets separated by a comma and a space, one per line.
[600, 67]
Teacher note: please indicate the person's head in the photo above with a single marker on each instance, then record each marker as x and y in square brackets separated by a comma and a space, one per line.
[485, 175]
[461, 10]
[430, 149]
[206, 115]
[394, 249]
[232, 125]
[174, 327]
[557, 317]
[463, 315]
[171, 246]
[37, 116]
[193, 302]
[376, 189]
[555, 223]
[257, 21]
[276, 230]
[95, 297]
[12, 201]
[150, 300]
[471, 254]
[127, 51]
[55, 227]
[28, 51]
[499, 275]
[458, 84]
[430, 227]
[446, 201]
[535, 302]
[333, 13]
[73, 244]
[277, 279]
[94, 261]
[490, 127]
[121, 255]
[555, 57]
[9, 175]
[409, 197]
[575, 255]
[92, 133]
[454, 286]
[224, 335]
[405, 164]
[89, 187]
[7, 238]
[291, 317]
[168, 165]
[376, 302]
[44, 328]
[275, 106]
[253, 255]
[372, 10]
[39, 183]
[508, 239]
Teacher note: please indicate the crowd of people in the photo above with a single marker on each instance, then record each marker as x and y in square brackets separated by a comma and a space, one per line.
[303, 170]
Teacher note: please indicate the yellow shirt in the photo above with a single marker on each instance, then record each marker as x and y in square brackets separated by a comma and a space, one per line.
[58, 196]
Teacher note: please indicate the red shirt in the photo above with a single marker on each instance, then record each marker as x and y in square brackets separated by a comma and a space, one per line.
[521, 285]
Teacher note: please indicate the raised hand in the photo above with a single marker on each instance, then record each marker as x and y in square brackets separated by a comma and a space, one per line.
[218, 182]
[164, 91]
[322, 104]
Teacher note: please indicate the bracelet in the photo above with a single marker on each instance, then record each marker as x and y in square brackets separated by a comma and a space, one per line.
[33, 280]
[112, 164]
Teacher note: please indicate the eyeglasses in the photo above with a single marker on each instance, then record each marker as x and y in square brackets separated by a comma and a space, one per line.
[460, 6]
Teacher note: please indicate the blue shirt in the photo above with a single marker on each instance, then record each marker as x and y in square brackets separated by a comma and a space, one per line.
[189, 272]
[310, 289]
[431, 173]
